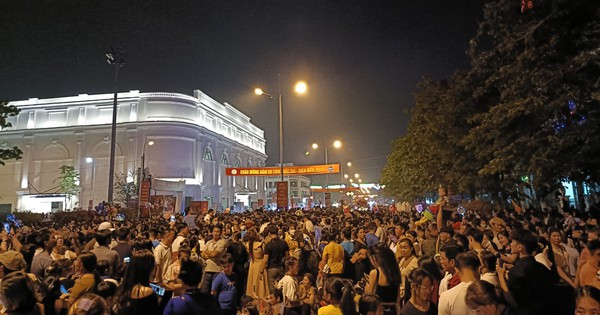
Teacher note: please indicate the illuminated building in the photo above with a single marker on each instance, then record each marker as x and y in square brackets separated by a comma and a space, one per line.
[194, 139]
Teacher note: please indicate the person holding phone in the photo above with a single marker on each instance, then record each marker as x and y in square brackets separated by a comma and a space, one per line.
[137, 295]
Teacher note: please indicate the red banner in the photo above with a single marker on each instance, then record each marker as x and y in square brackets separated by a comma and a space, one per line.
[145, 192]
[287, 170]
[201, 207]
[282, 195]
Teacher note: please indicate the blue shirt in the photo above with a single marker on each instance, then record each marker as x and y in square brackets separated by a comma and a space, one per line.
[225, 287]
[371, 239]
[348, 247]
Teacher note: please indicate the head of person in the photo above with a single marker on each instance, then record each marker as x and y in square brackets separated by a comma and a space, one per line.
[488, 261]
[89, 304]
[384, 258]
[103, 237]
[370, 304]
[360, 233]
[429, 264]
[555, 236]
[88, 261]
[474, 236]
[168, 236]
[461, 241]
[504, 239]
[593, 233]
[17, 293]
[11, 261]
[340, 292]
[448, 255]
[291, 266]
[482, 297]
[227, 263]
[433, 230]
[421, 285]
[446, 234]
[372, 227]
[524, 242]
[468, 264]
[123, 234]
[190, 272]
[594, 247]
[587, 301]
[406, 248]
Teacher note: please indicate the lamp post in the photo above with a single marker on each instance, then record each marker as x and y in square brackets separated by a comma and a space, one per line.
[335, 144]
[300, 88]
[90, 160]
[117, 59]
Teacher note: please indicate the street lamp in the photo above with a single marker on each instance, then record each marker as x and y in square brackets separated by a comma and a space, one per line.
[144, 158]
[335, 144]
[117, 59]
[90, 160]
[356, 175]
[300, 88]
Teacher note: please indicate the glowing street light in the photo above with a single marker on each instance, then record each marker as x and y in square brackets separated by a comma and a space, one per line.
[346, 176]
[356, 175]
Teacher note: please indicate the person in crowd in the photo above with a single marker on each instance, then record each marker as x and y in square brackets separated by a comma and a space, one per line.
[588, 273]
[215, 248]
[333, 255]
[103, 252]
[123, 247]
[89, 304]
[238, 251]
[558, 257]
[44, 259]
[370, 238]
[275, 251]
[529, 285]
[193, 301]
[163, 256]
[136, 294]
[308, 292]
[408, 262]
[488, 267]
[257, 284]
[224, 286]
[429, 246]
[475, 238]
[340, 296]
[451, 278]
[87, 263]
[369, 304]
[587, 301]
[419, 298]
[359, 258]
[412, 236]
[182, 231]
[444, 238]
[482, 297]
[18, 295]
[453, 300]
[348, 247]
[504, 248]
[429, 264]
[385, 278]
[190, 218]
[292, 305]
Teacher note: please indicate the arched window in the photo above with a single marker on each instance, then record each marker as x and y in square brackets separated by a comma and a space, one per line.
[238, 162]
[224, 159]
[249, 163]
[207, 154]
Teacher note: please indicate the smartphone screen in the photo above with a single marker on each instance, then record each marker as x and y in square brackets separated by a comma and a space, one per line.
[7, 227]
[172, 218]
[157, 289]
[126, 259]
[63, 290]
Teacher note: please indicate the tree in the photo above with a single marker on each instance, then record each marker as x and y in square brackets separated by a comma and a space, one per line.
[68, 181]
[5, 112]
[126, 190]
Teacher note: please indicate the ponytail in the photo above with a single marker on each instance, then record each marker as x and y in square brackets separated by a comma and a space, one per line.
[347, 302]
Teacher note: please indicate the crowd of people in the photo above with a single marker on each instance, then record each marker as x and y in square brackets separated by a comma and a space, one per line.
[320, 261]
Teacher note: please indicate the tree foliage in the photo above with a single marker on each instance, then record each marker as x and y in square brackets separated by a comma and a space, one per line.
[528, 105]
[126, 187]
[14, 152]
[68, 180]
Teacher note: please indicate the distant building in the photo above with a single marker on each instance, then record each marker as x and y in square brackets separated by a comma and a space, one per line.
[194, 139]
[298, 188]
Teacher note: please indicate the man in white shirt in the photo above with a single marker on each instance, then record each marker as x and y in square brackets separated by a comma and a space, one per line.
[453, 300]
[162, 254]
[215, 248]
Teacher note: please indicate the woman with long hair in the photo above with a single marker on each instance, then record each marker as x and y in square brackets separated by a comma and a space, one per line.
[87, 262]
[587, 301]
[408, 262]
[418, 299]
[257, 284]
[385, 278]
[340, 295]
[137, 296]
[558, 258]
[18, 295]
[360, 257]
[429, 264]
[504, 251]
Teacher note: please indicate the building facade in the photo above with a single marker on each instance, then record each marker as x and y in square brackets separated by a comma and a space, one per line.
[298, 191]
[194, 138]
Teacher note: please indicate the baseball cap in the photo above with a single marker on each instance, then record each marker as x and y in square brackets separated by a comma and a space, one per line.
[105, 226]
[12, 260]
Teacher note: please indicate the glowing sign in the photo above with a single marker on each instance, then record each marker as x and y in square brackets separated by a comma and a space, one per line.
[287, 170]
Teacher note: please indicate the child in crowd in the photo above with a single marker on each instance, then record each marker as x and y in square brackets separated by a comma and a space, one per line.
[223, 287]
[289, 288]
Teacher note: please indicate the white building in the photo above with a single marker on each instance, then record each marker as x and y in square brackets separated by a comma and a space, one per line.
[298, 190]
[194, 139]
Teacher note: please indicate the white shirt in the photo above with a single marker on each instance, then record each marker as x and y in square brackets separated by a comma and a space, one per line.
[490, 277]
[452, 302]
[162, 257]
[214, 264]
[573, 259]
[177, 243]
[444, 283]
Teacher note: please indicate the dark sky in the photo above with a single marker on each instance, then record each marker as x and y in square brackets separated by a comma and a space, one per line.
[361, 60]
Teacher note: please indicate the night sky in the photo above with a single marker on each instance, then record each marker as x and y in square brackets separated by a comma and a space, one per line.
[361, 60]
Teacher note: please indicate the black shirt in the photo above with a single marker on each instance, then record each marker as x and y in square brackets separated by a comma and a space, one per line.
[531, 287]
[276, 250]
